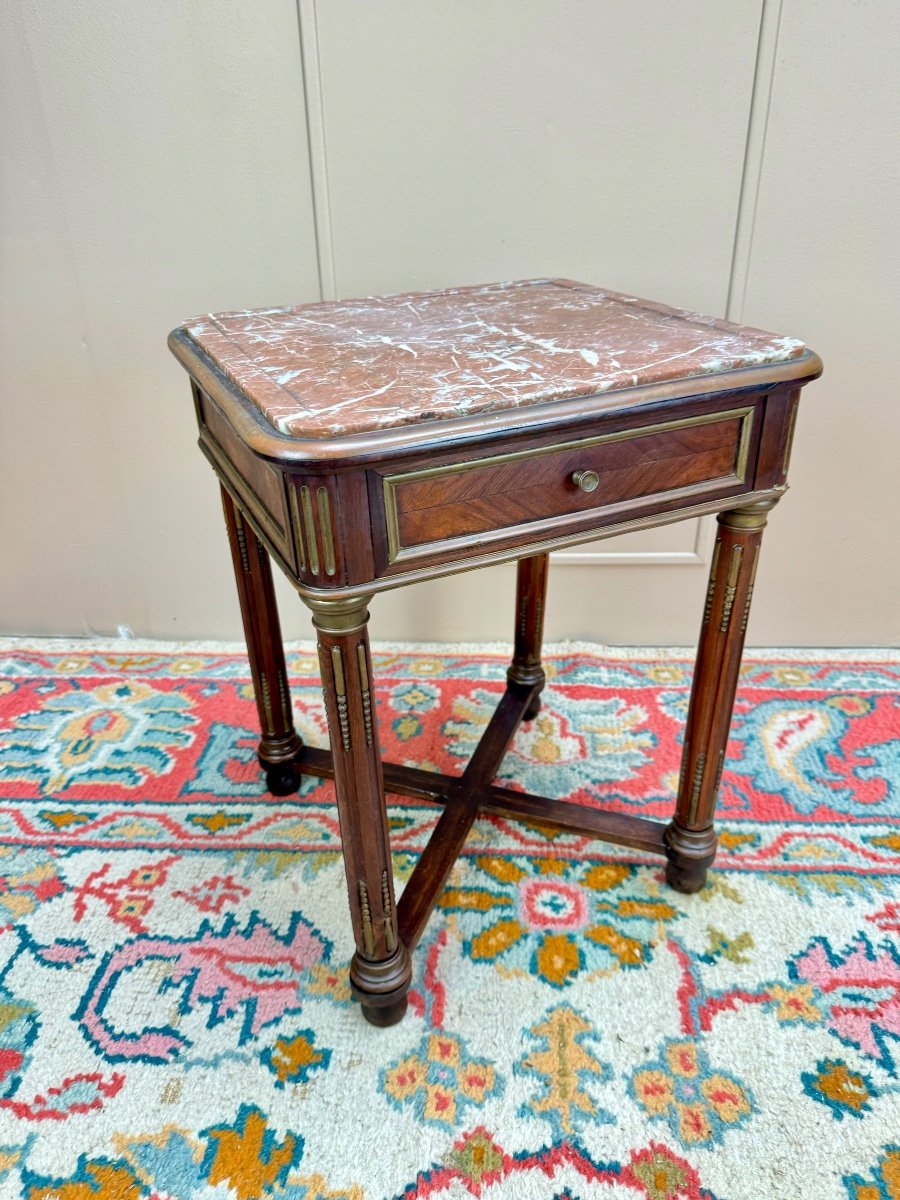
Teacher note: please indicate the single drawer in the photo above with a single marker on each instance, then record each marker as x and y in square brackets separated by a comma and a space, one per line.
[588, 482]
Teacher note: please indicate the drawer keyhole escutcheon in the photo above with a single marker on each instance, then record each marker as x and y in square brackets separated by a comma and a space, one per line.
[586, 481]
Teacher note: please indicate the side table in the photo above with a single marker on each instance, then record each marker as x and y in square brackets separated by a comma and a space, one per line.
[369, 444]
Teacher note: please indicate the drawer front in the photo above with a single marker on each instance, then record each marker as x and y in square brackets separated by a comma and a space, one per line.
[431, 509]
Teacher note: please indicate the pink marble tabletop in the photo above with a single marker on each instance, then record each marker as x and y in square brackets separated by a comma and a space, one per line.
[354, 366]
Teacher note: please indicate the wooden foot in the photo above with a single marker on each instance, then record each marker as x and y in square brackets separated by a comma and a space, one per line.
[690, 839]
[380, 970]
[390, 1014]
[280, 745]
[283, 779]
[531, 600]
[687, 879]
[689, 857]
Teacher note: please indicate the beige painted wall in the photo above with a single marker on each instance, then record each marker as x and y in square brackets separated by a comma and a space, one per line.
[168, 159]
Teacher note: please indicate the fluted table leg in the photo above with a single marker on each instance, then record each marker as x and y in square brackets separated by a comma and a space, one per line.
[380, 970]
[691, 838]
[531, 603]
[280, 743]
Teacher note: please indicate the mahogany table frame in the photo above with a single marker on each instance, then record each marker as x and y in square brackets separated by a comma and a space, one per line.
[321, 509]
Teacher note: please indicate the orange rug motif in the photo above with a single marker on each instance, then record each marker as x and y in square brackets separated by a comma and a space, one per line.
[175, 1016]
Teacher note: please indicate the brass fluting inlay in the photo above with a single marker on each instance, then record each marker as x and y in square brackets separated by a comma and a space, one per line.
[325, 526]
[734, 568]
[306, 505]
[684, 762]
[366, 913]
[266, 699]
[719, 774]
[298, 527]
[285, 697]
[340, 688]
[711, 589]
[697, 786]
[389, 939]
[242, 542]
[746, 616]
[365, 691]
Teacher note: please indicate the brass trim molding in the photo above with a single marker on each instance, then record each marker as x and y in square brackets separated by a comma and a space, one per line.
[340, 691]
[540, 541]
[713, 581]
[324, 507]
[312, 547]
[389, 939]
[734, 570]
[397, 552]
[750, 517]
[719, 770]
[697, 786]
[368, 930]
[241, 541]
[297, 523]
[285, 696]
[365, 692]
[338, 614]
[682, 770]
[266, 697]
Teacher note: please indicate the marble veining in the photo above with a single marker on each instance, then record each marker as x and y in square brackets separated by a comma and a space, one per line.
[352, 366]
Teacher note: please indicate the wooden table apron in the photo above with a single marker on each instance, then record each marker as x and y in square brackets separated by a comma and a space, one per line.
[347, 517]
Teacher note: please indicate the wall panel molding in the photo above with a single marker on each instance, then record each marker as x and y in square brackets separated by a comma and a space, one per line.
[754, 154]
[696, 554]
[307, 17]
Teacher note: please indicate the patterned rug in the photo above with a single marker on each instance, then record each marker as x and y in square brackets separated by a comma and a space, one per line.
[175, 1021]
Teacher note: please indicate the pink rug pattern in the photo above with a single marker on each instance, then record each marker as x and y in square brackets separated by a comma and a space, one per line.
[175, 1017]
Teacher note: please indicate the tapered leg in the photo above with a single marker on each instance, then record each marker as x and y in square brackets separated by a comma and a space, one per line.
[280, 744]
[380, 969]
[691, 838]
[531, 597]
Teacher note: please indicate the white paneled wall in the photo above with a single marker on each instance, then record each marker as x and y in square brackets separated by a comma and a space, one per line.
[163, 160]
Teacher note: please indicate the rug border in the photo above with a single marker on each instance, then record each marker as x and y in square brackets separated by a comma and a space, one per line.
[114, 645]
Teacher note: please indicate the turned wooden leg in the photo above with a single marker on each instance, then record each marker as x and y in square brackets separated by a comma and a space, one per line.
[690, 838]
[280, 743]
[380, 970]
[531, 598]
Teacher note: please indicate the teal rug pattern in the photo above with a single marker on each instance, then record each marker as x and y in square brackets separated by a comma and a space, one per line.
[175, 1015]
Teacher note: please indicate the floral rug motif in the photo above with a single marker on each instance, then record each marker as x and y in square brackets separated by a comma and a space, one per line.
[175, 1017]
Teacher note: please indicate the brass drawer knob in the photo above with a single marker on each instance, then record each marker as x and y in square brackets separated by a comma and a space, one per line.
[586, 480]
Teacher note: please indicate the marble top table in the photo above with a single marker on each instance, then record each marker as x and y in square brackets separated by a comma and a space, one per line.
[368, 444]
[357, 366]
